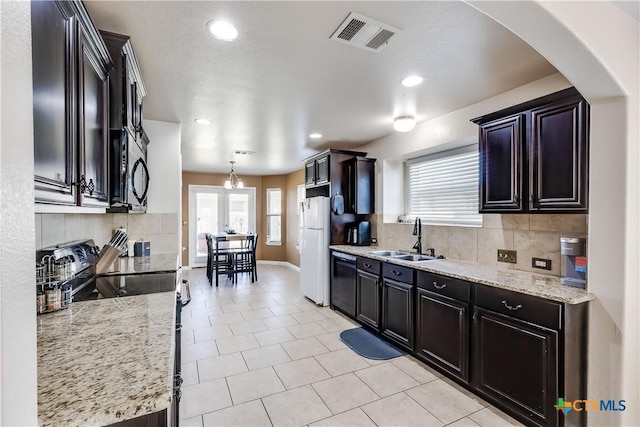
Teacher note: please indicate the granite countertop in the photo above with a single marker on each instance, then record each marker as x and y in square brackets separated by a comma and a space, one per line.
[147, 264]
[539, 285]
[104, 361]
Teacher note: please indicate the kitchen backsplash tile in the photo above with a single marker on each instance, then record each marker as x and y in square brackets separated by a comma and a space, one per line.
[506, 221]
[573, 223]
[530, 235]
[463, 243]
[53, 231]
[162, 230]
[141, 225]
[540, 244]
[489, 241]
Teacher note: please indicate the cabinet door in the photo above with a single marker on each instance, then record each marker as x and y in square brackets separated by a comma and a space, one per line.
[442, 332]
[310, 173]
[397, 312]
[501, 173]
[368, 299]
[322, 170]
[93, 86]
[53, 107]
[515, 364]
[558, 157]
[343, 285]
[360, 194]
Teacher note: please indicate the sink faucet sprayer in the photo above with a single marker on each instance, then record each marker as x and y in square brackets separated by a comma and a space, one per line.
[417, 231]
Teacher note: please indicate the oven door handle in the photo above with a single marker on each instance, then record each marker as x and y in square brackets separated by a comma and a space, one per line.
[140, 162]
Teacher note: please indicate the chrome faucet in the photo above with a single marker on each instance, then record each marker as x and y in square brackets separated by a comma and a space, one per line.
[417, 231]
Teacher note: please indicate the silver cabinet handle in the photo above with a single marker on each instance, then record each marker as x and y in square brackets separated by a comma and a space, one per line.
[366, 265]
[396, 273]
[510, 307]
[437, 286]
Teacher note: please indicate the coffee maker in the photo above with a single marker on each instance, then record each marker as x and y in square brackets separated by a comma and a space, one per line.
[359, 233]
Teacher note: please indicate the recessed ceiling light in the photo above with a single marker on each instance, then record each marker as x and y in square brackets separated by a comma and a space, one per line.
[315, 135]
[203, 121]
[404, 123]
[411, 81]
[222, 30]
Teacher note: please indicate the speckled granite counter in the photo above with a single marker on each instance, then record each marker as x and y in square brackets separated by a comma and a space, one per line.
[104, 361]
[539, 285]
[147, 264]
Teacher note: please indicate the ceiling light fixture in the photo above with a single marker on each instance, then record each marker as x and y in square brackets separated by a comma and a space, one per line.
[222, 30]
[315, 135]
[411, 81]
[233, 181]
[203, 121]
[404, 123]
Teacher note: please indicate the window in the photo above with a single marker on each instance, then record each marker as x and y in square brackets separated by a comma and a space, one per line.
[214, 210]
[274, 216]
[442, 188]
[300, 196]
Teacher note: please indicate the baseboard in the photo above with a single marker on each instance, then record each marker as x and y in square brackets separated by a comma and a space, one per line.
[283, 263]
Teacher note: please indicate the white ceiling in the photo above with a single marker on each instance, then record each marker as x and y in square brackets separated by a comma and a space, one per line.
[283, 78]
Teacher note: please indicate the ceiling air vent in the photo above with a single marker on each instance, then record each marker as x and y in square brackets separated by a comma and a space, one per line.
[364, 33]
[244, 152]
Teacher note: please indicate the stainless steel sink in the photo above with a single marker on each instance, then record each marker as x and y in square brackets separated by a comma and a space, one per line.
[414, 257]
[389, 253]
[402, 255]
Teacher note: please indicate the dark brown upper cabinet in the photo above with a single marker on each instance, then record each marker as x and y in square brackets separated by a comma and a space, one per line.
[558, 161]
[127, 86]
[316, 171]
[500, 146]
[70, 106]
[360, 188]
[534, 156]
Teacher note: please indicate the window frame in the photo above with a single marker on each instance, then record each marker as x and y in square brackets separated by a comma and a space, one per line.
[456, 221]
[270, 215]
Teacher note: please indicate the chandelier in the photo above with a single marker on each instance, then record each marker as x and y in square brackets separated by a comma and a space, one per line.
[233, 181]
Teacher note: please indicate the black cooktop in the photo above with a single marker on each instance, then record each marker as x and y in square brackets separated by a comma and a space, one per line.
[92, 288]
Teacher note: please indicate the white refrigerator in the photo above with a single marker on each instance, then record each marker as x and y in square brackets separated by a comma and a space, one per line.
[314, 250]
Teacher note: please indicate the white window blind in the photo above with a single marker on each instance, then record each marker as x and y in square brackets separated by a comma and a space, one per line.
[274, 212]
[442, 188]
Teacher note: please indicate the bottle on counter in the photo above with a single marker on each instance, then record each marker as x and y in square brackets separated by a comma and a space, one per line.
[54, 298]
[41, 300]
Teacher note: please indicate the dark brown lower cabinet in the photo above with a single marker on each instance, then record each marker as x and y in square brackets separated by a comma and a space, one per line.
[442, 332]
[516, 365]
[397, 312]
[368, 299]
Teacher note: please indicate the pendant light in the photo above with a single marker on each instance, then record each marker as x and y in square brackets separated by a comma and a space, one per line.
[233, 181]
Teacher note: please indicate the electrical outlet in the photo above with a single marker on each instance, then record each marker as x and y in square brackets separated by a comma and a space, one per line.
[505, 255]
[543, 263]
[374, 240]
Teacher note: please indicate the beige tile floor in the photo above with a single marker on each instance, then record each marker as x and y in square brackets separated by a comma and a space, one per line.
[261, 354]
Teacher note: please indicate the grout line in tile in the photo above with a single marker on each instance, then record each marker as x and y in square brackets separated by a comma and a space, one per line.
[266, 412]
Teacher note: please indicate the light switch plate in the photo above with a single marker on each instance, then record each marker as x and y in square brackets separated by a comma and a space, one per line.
[542, 263]
[505, 255]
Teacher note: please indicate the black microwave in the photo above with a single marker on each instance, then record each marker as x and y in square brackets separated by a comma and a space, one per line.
[129, 173]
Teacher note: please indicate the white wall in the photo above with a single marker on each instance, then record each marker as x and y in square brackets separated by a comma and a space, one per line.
[164, 159]
[165, 166]
[18, 382]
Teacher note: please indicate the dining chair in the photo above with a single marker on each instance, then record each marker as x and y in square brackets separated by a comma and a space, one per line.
[221, 259]
[244, 258]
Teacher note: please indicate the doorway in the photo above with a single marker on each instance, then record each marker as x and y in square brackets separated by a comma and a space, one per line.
[214, 209]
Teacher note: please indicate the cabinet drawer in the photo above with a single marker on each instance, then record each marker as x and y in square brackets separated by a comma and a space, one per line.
[370, 265]
[398, 273]
[447, 286]
[524, 307]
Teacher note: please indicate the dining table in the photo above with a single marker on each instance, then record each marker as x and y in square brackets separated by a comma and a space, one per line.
[222, 257]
